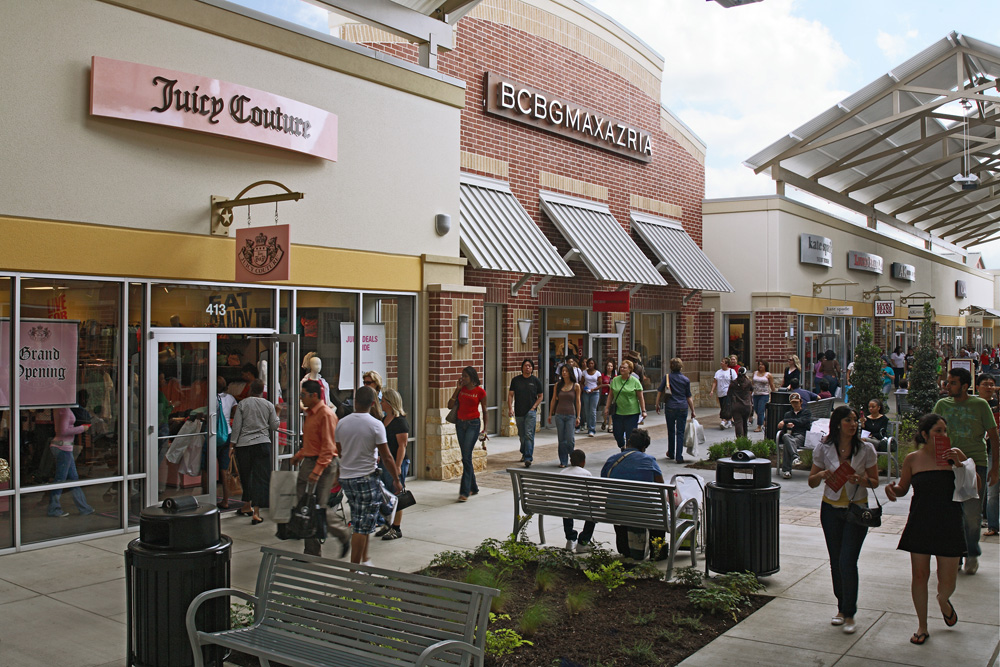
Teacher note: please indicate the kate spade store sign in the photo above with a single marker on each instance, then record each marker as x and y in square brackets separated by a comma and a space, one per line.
[550, 112]
[906, 272]
[131, 91]
[815, 250]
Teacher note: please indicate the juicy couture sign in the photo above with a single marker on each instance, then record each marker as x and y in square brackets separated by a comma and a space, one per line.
[160, 96]
[546, 111]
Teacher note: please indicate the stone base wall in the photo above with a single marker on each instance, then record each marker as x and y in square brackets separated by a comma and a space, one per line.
[442, 455]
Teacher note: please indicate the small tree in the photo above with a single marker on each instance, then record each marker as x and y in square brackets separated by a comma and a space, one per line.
[866, 380]
[923, 379]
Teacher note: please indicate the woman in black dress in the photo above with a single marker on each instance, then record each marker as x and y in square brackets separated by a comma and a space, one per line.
[934, 526]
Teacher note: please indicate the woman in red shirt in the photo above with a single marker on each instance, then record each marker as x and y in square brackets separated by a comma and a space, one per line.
[469, 396]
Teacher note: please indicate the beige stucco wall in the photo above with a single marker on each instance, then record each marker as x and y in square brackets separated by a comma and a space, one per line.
[398, 151]
[756, 243]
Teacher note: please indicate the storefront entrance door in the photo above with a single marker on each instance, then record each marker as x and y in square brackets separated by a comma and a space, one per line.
[604, 347]
[182, 416]
[558, 346]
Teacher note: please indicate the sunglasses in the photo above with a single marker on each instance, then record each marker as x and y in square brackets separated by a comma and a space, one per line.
[367, 382]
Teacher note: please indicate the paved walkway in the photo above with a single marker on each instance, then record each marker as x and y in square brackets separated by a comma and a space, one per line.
[66, 605]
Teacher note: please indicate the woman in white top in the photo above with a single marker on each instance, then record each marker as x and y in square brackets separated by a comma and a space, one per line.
[763, 385]
[591, 395]
[898, 361]
[844, 539]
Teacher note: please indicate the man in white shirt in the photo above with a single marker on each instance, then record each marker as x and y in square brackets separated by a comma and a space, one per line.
[578, 541]
[358, 436]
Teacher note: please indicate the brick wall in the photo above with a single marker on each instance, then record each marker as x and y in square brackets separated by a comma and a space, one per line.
[770, 342]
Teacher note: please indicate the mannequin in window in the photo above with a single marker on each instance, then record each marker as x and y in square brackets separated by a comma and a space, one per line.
[315, 366]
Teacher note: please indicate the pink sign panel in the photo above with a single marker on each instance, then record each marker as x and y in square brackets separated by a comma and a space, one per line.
[46, 362]
[120, 89]
[261, 253]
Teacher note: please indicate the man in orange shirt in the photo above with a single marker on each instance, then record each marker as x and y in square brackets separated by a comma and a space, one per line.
[319, 463]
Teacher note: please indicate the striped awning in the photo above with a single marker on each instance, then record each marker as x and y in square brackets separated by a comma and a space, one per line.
[606, 250]
[678, 253]
[497, 233]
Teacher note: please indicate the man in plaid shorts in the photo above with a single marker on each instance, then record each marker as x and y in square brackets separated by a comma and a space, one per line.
[359, 435]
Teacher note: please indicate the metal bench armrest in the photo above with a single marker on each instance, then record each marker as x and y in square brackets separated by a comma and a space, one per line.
[192, 611]
[451, 644]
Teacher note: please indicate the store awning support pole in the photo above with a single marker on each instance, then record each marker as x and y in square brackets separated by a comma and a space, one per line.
[519, 284]
[537, 287]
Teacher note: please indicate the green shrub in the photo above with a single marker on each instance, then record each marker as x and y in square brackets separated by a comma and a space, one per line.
[716, 600]
[578, 600]
[721, 450]
[645, 570]
[642, 619]
[907, 431]
[806, 455]
[688, 576]
[692, 623]
[490, 577]
[534, 617]
[670, 636]
[640, 653]
[545, 580]
[611, 576]
[503, 641]
[763, 449]
[923, 378]
[741, 583]
[240, 615]
[455, 560]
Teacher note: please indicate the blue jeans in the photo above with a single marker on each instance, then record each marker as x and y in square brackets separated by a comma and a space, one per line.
[583, 536]
[624, 425]
[759, 401]
[972, 511]
[467, 431]
[676, 420]
[526, 433]
[993, 505]
[66, 470]
[588, 403]
[565, 428]
[843, 543]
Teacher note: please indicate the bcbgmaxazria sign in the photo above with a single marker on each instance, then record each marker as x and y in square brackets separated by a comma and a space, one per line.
[546, 111]
[120, 89]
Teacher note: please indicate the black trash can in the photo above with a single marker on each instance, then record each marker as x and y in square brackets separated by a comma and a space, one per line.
[741, 517]
[179, 554]
[776, 408]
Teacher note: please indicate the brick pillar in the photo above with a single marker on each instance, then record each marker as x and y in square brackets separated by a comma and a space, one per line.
[446, 359]
[771, 342]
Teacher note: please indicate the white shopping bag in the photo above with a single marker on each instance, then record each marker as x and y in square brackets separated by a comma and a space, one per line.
[694, 436]
[966, 487]
[282, 495]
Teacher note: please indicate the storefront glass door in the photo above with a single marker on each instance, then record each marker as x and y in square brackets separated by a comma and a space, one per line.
[604, 347]
[182, 418]
[558, 346]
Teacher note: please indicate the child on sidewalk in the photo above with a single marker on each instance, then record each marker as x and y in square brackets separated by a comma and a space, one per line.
[578, 541]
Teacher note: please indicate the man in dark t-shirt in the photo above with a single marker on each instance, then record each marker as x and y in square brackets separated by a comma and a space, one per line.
[523, 398]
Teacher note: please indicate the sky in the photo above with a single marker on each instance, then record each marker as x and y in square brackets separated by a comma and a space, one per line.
[743, 77]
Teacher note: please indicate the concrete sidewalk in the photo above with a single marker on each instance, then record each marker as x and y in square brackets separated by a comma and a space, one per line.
[66, 605]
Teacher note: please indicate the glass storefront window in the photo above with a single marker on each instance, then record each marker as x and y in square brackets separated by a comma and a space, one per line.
[647, 340]
[211, 306]
[393, 316]
[6, 452]
[136, 388]
[69, 354]
[320, 319]
[738, 338]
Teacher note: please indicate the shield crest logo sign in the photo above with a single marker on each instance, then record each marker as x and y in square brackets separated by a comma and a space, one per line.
[262, 253]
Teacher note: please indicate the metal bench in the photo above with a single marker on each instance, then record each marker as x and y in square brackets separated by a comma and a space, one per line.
[903, 407]
[616, 501]
[821, 409]
[310, 611]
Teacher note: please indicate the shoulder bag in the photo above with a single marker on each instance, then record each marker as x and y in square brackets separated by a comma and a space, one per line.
[613, 406]
[869, 517]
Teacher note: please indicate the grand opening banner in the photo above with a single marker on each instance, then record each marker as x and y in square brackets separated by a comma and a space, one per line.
[46, 362]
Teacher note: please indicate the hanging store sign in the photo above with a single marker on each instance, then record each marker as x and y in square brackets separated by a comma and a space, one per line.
[131, 91]
[838, 310]
[815, 250]
[885, 309]
[974, 320]
[863, 261]
[906, 272]
[372, 352]
[46, 362]
[262, 253]
[915, 313]
[611, 302]
[546, 111]
[961, 291]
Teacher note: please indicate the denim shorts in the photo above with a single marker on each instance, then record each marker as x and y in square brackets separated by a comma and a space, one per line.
[364, 497]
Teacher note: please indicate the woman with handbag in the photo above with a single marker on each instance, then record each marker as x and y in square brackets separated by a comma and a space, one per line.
[397, 432]
[934, 525]
[468, 398]
[626, 403]
[844, 497]
[677, 389]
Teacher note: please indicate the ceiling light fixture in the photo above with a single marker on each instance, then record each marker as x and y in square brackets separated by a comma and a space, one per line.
[967, 180]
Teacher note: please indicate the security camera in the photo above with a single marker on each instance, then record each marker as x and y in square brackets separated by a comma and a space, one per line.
[970, 182]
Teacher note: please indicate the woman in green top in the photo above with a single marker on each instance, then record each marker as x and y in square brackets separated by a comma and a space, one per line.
[626, 396]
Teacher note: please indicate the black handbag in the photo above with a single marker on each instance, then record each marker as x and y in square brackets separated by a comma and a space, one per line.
[862, 515]
[613, 406]
[404, 500]
[308, 519]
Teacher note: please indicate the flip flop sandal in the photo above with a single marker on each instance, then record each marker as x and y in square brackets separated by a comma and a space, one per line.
[990, 533]
[919, 638]
[952, 618]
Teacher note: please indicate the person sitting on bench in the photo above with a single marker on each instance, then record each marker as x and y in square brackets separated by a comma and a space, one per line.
[792, 431]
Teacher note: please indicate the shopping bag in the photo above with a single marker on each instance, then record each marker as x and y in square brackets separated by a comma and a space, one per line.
[694, 437]
[302, 522]
[190, 463]
[233, 482]
[966, 487]
[282, 494]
